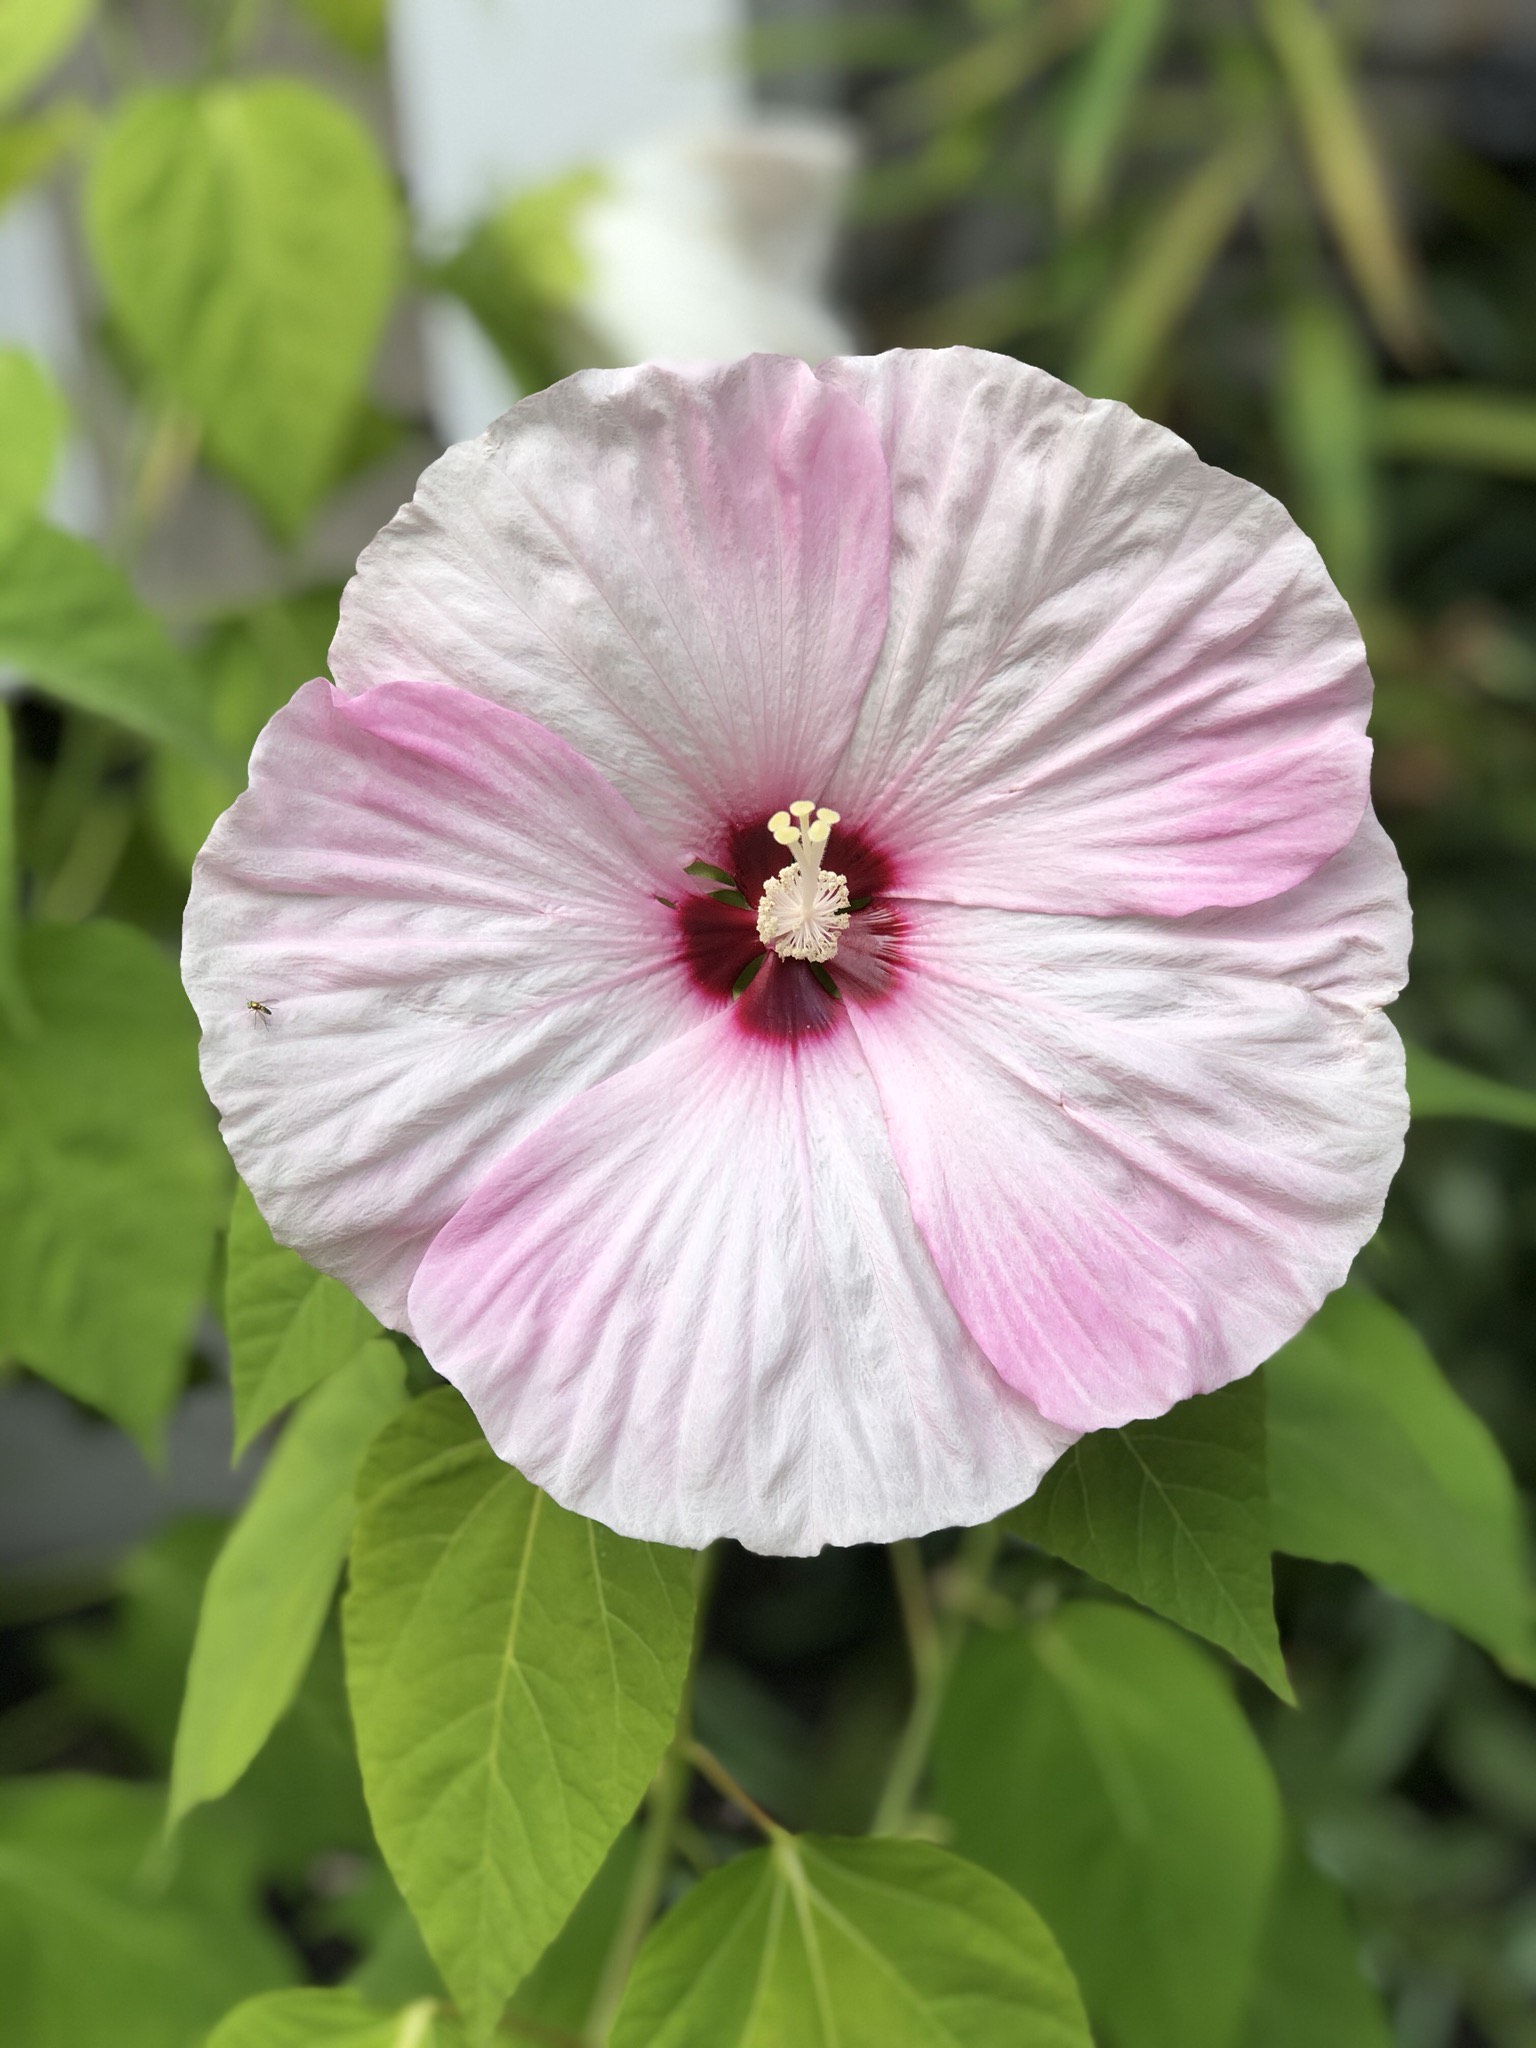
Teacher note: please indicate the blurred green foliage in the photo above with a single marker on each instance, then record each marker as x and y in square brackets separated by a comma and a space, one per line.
[1242, 219]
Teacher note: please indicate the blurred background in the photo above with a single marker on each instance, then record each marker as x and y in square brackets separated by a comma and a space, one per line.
[1302, 236]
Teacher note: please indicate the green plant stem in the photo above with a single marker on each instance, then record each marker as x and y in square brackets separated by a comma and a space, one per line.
[709, 1767]
[934, 1637]
[664, 1809]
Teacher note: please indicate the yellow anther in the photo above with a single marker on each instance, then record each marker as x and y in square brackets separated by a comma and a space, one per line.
[778, 823]
[802, 810]
[829, 818]
[820, 832]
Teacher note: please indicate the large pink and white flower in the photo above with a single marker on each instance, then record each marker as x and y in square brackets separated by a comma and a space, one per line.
[1020, 1071]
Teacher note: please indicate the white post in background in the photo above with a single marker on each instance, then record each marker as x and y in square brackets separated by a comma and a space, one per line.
[497, 94]
[715, 231]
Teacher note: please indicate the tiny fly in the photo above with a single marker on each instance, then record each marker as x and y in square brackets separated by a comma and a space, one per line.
[260, 1009]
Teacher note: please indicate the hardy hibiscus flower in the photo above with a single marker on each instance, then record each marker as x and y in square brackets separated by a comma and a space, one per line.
[828, 937]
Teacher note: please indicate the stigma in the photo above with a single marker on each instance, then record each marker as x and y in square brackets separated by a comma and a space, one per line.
[804, 906]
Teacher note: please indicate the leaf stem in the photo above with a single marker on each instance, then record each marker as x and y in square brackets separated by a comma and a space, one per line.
[709, 1766]
[934, 1636]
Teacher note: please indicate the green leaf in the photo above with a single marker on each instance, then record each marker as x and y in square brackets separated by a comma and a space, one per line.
[357, 25]
[1458, 424]
[32, 423]
[112, 1179]
[1310, 1990]
[515, 1674]
[247, 237]
[1347, 170]
[1375, 1462]
[867, 1944]
[1100, 102]
[288, 1326]
[1098, 1761]
[247, 670]
[559, 1990]
[70, 622]
[15, 1010]
[99, 1945]
[1175, 1513]
[1324, 399]
[35, 35]
[1437, 1088]
[269, 1592]
[1168, 266]
[295, 2019]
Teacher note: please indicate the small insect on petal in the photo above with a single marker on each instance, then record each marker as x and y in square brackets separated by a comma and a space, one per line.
[260, 1009]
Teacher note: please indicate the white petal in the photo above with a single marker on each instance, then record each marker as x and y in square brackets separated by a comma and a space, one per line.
[452, 922]
[1114, 679]
[693, 1304]
[683, 572]
[1143, 1150]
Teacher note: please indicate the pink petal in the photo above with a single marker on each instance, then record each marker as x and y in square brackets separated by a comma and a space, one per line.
[1114, 679]
[1141, 1150]
[452, 920]
[693, 1304]
[681, 571]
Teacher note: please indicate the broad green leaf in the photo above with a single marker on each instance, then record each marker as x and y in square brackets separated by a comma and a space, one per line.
[515, 1674]
[1437, 1088]
[1100, 102]
[1374, 1461]
[1098, 1761]
[15, 1010]
[247, 237]
[1175, 1513]
[112, 1180]
[1347, 170]
[1168, 266]
[1458, 424]
[98, 1942]
[35, 35]
[71, 624]
[1324, 398]
[851, 1944]
[559, 1990]
[288, 1326]
[248, 669]
[1310, 1992]
[269, 1592]
[32, 423]
[295, 2019]
[358, 25]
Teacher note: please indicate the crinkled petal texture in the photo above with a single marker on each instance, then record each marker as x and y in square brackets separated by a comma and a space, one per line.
[683, 573]
[1142, 1150]
[1115, 1112]
[453, 922]
[1114, 679]
[695, 1300]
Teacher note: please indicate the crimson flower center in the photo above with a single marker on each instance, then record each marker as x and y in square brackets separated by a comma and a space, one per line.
[790, 947]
